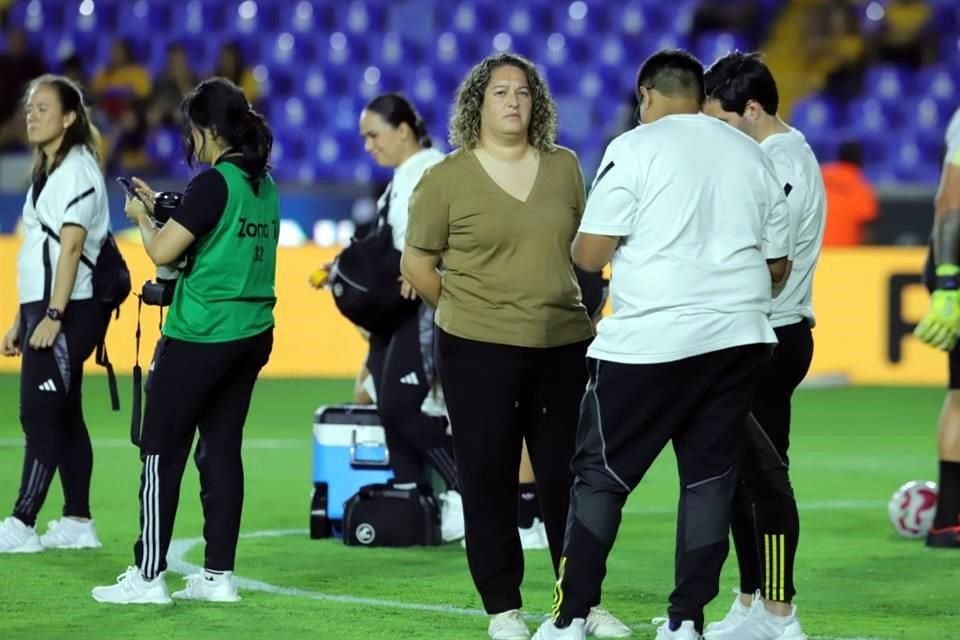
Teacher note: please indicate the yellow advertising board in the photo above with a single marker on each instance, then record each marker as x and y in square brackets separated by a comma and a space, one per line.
[867, 301]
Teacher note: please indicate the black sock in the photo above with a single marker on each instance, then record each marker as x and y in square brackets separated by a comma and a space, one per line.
[948, 496]
[528, 507]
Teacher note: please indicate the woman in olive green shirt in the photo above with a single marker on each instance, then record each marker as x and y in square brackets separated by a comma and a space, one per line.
[501, 212]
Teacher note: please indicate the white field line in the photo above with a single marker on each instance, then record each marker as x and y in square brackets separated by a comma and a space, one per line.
[176, 561]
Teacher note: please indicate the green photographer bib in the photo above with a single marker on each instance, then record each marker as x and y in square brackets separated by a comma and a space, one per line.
[229, 292]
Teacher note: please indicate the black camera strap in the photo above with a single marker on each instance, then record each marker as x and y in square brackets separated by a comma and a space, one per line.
[136, 412]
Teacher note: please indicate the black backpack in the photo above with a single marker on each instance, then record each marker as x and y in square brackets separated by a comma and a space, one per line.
[365, 281]
[381, 515]
[111, 286]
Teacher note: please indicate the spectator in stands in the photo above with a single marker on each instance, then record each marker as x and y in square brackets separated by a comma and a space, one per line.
[121, 90]
[722, 15]
[174, 82]
[230, 64]
[906, 37]
[501, 212]
[18, 66]
[851, 201]
[836, 50]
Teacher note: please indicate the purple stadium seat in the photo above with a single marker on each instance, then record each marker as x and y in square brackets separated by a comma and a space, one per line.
[887, 83]
[871, 114]
[713, 45]
[199, 16]
[636, 19]
[528, 18]
[307, 16]
[937, 82]
[581, 18]
[925, 117]
[469, 16]
[164, 146]
[361, 16]
[816, 113]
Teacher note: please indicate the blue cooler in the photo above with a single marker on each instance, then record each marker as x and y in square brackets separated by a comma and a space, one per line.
[349, 451]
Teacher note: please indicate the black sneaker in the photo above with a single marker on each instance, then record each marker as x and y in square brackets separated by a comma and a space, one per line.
[947, 538]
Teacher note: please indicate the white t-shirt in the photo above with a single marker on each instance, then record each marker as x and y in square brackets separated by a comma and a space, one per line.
[405, 178]
[799, 174]
[74, 193]
[953, 139]
[699, 210]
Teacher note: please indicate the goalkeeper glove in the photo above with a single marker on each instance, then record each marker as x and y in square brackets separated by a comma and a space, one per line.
[941, 325]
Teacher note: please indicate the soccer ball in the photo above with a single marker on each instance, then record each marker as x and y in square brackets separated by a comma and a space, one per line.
[912, 508]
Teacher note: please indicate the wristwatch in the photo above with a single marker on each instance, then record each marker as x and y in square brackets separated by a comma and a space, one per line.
[55, 314]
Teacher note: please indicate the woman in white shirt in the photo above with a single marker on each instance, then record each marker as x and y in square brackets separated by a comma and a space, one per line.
[58, 323]
[401, 363]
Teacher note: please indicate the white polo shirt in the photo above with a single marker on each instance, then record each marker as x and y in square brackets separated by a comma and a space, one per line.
[405, 178]
[74, 193]
[699, 211]
[799, 173]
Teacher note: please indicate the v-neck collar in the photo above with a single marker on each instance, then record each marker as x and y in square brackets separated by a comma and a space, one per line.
[536, 180]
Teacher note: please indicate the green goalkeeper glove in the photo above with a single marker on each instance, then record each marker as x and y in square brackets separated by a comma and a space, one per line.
[940, 326]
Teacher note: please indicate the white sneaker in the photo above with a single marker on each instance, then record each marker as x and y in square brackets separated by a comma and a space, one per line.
[212, 587]
[738, 612]
[451, 516]
[687, 630]
[603, 624]
[68, 533]
[576, 631]
[16, 537]
[508, 625]
[534, 536]
[760, 624]
[131, 588]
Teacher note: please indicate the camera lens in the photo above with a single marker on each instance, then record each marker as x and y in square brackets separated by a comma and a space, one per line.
[164, 204]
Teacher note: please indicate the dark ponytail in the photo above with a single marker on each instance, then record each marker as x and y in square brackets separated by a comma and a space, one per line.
[219, 105]
[397, 110]
[80, 133]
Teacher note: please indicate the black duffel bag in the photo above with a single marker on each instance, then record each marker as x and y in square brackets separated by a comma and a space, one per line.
[381, 515]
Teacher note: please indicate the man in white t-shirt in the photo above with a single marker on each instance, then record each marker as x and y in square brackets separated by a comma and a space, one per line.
[692, 217]
[742, 92]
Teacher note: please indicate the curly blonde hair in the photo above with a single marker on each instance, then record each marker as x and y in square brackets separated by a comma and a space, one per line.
[465, 119]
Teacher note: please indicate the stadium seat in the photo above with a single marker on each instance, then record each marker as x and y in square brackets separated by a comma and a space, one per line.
[871, 114]
[925, 117]
[579, 18]
[635, 19]
[887, 83]
[713, 45]
[937, 82]
[199, 16]
[307, 16]
[816, 113]
[361, 16]
[528, 18]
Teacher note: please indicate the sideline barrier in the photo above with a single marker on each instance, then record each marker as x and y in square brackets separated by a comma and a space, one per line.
[867, 302]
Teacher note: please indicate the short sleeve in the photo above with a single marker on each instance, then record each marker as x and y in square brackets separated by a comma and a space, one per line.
[953, 140]
[780, 226]
[428, 224]
[79, 193]
[794, 190]
[611, 207]
[203, 203]
[579, 186]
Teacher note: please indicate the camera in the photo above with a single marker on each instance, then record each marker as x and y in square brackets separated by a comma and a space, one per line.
[159, 292]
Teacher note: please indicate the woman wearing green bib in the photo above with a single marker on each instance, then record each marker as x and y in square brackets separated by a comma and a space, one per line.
[217, 336]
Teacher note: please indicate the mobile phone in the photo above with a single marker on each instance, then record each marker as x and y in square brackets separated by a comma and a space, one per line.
[128, 187]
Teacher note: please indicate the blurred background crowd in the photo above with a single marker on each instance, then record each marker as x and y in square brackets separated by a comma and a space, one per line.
[872, 84]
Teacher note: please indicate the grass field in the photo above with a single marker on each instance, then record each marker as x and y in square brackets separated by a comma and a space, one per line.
[851, 449]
